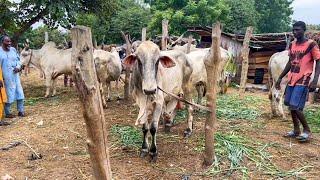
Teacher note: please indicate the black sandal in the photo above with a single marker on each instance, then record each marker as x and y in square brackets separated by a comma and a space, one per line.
[4, 123]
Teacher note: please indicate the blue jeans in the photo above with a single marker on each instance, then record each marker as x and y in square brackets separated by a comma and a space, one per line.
[20, 107]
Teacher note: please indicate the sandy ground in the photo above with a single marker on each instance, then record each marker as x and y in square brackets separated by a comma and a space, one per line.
[55, 128]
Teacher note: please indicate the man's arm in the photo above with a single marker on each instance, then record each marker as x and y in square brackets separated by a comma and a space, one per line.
[284, 72]
[316, 56]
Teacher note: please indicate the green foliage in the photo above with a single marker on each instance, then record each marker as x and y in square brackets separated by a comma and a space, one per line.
[184, 13]
[127, 136]
[242, 14]
[274, 15]
[37, 37]
[313, 118]
[18, 16]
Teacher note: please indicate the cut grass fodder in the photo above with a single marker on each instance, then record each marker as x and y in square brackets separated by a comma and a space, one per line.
[127, 136]
[240, 154]
[231, 107]
[313, 117]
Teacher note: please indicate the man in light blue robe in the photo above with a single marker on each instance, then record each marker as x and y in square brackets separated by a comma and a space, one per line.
[11, 66]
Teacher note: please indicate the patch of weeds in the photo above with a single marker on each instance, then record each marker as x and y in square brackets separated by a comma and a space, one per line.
[237, 150]
[127, 136]
[31, 101]
[313, 117]
[232, 107]
[181, 116]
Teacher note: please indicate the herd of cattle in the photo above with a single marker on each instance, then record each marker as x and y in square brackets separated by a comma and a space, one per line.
[155, 74]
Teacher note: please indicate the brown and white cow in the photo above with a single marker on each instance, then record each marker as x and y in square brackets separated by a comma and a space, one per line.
[168, 70]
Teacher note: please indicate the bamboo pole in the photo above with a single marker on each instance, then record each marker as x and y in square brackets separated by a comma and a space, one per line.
[144, 34]
[245, 61]
[127, 73]
[85, 77]
[212, 66]
[164, 35]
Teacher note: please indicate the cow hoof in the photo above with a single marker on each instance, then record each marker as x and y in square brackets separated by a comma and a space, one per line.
[167, 128]
[143, 153]
[187, 133]
[53, 95]
[119, 98]
[108, 100]
[154, 157]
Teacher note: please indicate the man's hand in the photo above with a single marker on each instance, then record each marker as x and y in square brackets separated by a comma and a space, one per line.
[312, 86]
[16, 70]
[278, 84]
[1, 84]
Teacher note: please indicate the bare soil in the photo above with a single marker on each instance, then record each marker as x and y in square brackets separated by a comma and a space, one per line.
[55, 128]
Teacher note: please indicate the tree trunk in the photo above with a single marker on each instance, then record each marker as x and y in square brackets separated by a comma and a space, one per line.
[85, 78]
[144, 34]
[212, 66]
[127, 75]
[164, 35]
[189, 44]
[245, 61]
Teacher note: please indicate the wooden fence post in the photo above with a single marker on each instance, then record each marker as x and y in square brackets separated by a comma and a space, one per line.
[144, 34]
[46, 37]
[189, 44]
[127, 73]
[212, 66]
[85, 78]
[164, 35]
[245, 61]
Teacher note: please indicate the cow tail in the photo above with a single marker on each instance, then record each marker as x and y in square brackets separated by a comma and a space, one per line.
[204, 89]
[270, 80]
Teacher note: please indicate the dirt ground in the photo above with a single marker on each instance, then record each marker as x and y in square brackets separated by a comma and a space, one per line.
[54, 127]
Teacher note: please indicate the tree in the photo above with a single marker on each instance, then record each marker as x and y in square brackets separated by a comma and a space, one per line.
[242, 14]
[17, 17]
[184, 13]
[274, 15]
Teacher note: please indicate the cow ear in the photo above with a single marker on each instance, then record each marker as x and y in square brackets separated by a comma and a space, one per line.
[130, 60]
[166, 61]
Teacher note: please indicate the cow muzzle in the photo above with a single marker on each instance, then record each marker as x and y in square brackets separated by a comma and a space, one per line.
[150, 91]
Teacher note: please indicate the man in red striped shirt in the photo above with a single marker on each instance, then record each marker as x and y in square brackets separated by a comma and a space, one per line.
[303, 53]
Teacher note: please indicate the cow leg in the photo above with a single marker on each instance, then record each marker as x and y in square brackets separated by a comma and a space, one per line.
[153, 148]
[188, 131]
[281, 110]
[103, 99]
[65, 80]
[117, 88]
[153, 130]
[108, 84]
[54, 91]
[48, 86]
[199, 89]
[145, 146]
[169, 114]
[70, 81]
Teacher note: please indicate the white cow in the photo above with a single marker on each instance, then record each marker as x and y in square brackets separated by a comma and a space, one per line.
[52, 62]
[184, 48]
[108, 66]
[199, 74]
[169, 71]
[277, 64]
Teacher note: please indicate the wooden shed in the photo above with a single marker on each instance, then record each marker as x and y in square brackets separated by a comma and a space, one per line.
[262, 47]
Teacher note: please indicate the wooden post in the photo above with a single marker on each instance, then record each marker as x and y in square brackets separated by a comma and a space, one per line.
[46, 37]
[164, 35]
[85, 78]
[212, 66]
[189, 44]
[144, 34]
[127, 74]
[245, 61]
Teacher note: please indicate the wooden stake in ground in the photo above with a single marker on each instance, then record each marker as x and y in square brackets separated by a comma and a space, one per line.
[212, 66]
[164, 35]
[189, 44]
[144, 34]
[46, 37]
[127, 75]
[245, 61]
[85, 78]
